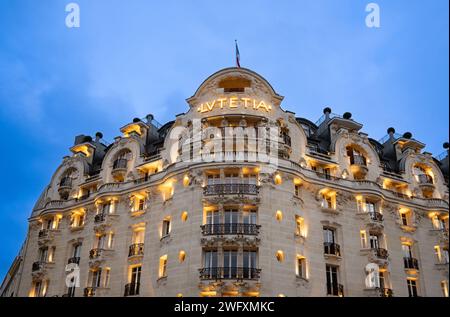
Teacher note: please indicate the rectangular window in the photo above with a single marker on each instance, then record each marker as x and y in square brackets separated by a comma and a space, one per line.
[444, 286]
[437, 253]
[231, 220]
[249, 217]
[135, 280]
[297, 190]
[249, 263]
[210, 259]
[404, 218]
[301, 266]
[407, 251]
[299, 226]
[51, 255]
[374, 243]
[141, 204]
[43, 254]
[332, 280]
[138, 236]
[360, 205]
[363, 236]
[370, 207]
[250, 179]
[232, 178]
[329, 235]
[166, 227]
[96, 278]
[77, 250]
[213, 179]
[107, 277]
[229, 263]
[412, 287]
[37, 289]
[163, 266]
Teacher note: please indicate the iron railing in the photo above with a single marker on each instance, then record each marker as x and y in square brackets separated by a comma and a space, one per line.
[95, 253]
[411, 263]
[239, 273]
[230, 228]
[331, 248]
[132, 289]
[74, 259]
[376, 216]
[136, 249]
[231, 189]
[425, 179]
[120, 163]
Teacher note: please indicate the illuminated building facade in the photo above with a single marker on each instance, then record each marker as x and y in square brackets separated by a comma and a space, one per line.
[238, 197]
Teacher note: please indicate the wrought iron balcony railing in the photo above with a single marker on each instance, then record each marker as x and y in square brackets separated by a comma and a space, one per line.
[238, 273]
[37, 266]
[99, 218]
[425, 179]
[66, 182]
[331, 248]
[136, 249]
[411, 263]
[230, 228]
[381, 253]
[89, 291]
[231, 189]
[95, 253]
[386, 292]
[376, 216]
[74, 259]
[120, 164]
[335, 289]
[131, 289]
[43, 233]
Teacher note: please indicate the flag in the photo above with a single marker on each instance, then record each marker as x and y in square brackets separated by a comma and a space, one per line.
[238, 56]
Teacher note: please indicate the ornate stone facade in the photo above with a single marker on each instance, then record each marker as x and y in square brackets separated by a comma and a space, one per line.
[144, 217]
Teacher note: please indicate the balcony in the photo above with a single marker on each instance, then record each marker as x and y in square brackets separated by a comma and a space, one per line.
[335, 290]
[376, 216]
[119, 169]
[95, 253]
[43, 233]
[136, 249]
[411, 263]
[381, 253]
[89, 291]
[37, 266]
[358, 167]
[231, 189]
[426, 184]
[231, 273]
[74, 259]
[99, 218]
[230, 229]
[131, 289]
[333, 249]
[386, 292]
[65, 186]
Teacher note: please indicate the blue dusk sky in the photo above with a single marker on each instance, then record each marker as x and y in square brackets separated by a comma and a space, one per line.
[131, 58]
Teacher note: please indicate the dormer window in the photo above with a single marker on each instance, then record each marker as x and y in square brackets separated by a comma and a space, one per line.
[424, 177]
[120, 165]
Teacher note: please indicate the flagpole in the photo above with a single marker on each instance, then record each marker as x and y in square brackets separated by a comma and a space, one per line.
[238, 56]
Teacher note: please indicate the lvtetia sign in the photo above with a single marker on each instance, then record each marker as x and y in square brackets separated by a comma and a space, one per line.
[234, 103]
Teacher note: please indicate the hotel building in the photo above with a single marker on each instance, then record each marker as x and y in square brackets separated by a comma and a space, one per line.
[238, 197]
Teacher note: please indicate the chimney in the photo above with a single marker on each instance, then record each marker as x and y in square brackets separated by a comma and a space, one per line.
[98, 136]
[327, 112]
[391, 132]
[149, 118]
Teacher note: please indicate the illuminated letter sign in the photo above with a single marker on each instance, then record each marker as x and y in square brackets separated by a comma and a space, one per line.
[233, 103]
